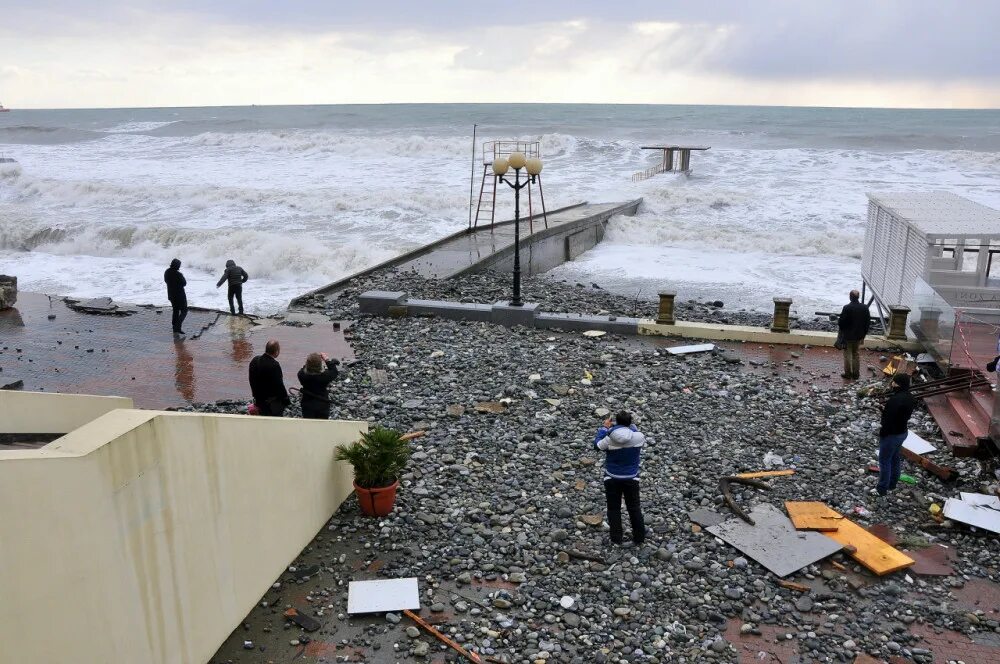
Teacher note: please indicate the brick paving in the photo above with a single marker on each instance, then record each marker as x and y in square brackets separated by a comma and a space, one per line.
[137, 355]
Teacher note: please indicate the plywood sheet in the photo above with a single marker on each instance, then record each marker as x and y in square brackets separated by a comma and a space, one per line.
[383, 595]
[870, 551]
[813, 516]
[774, 542]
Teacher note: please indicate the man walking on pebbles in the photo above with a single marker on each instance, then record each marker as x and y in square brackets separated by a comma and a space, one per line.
[236, 276]
[622, 444]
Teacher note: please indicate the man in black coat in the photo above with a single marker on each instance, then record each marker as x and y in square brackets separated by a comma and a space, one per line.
[853, 325]
[892, 435]
[175, 293]
[266, 382]
[236, 276]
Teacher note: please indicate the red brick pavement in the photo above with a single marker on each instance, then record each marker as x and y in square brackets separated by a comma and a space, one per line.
[137, 355]
[950, 646]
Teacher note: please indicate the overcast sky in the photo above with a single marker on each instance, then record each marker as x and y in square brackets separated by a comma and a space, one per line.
[67, 53]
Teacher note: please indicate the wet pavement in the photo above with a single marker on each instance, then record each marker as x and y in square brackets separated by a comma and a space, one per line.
[53, 348]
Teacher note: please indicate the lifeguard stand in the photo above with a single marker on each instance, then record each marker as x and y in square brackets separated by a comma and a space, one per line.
[487, 207]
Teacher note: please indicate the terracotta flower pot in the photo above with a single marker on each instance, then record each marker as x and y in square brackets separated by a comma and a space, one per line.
[377, 501]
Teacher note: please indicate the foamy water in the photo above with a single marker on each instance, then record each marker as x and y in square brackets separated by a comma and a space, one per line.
[102, 200]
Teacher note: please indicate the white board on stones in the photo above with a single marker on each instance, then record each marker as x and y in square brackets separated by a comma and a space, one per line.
[383, 595]
[980, 516]
[981, 499]
[916, 444]
[696, 348]
[774, 542]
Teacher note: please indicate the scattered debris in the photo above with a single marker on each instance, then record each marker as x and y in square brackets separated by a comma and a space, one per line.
[791, 585]
[975, 509]
[943, 473]
[917, 445]
[872, 552]
[382, 595]
[494, 407]
[812, 516]
[694, 348]
[303, 620]
[765, 473]
[774, 542]
[594, 333]
[728, 496]
[471, 656]
[771, 459]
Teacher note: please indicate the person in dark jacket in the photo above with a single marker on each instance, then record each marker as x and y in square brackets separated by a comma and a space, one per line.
[236, 276]
[315, 377]
[895, 423]
[622, 444]
[853, 326]
[266, 382]
[175, 293]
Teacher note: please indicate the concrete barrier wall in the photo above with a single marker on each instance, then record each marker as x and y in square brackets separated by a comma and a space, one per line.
[146, 536]
[45, 412]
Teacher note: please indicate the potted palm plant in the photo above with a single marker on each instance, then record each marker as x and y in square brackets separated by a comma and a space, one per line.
[378, 460]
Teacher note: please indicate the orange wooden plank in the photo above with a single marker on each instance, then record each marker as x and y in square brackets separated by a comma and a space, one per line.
[766, 473]
[813, 516]
[868, 549]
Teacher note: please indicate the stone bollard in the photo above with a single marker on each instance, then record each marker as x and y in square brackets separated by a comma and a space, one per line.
[666, 313]
[781, 307]
[897, 322]
[8, 291]
[930, 323]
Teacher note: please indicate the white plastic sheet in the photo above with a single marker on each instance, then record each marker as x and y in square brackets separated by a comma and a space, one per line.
[383, 595]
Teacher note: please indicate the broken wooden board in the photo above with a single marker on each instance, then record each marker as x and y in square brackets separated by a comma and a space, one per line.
[774, 542]
[382, 595]
[812, 516]
[694, 348]
[765, 473]
[876, 555]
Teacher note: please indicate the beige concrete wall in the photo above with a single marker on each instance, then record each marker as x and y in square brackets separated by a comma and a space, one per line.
[45, 412]
[146, 536]
[718, 332]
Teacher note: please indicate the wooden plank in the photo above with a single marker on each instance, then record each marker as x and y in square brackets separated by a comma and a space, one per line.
[766, 473]
[812, 516]
[879, 557]
[791, 585]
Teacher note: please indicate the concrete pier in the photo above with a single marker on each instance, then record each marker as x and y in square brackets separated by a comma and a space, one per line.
[571, 231]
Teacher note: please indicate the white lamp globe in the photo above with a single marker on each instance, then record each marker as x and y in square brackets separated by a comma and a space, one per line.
[534, 166]
[499, 166]
[516, 160]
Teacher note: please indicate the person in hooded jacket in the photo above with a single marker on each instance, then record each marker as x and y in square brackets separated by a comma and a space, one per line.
[236, 276]
[315, 377]
[622, 444]
[175, 294]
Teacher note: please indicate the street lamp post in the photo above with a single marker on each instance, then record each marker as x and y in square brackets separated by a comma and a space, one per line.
[533, 166]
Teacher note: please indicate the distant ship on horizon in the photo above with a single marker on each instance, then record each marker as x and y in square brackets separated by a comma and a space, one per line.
[4, 110]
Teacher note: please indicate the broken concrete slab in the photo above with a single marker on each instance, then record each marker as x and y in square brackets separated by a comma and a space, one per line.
[774, 542]
[383, 595]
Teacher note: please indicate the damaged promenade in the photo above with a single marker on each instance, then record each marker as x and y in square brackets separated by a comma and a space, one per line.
[501, 512]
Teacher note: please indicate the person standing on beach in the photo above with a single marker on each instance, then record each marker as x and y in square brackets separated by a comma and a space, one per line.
[853, 326]
[266, 382]
[175, 294]
[236, 276]
[315, 377]
[895, 423]
[622, 444]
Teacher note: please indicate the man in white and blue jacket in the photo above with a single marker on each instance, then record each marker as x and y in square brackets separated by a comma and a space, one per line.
[622, 444]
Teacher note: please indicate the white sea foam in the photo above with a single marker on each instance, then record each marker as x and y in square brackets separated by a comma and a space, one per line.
[299, 207]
